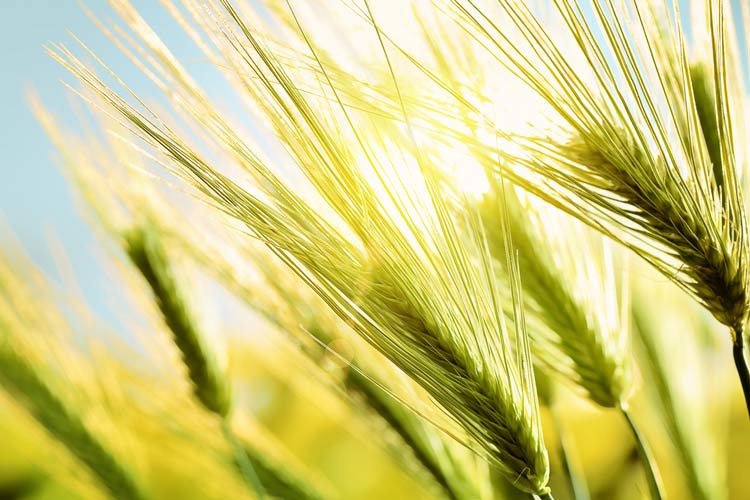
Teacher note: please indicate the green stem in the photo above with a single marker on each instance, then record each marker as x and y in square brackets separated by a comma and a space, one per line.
[647, 459]
[738, 351]
[570, 464]
[546, 496]
[244, 463]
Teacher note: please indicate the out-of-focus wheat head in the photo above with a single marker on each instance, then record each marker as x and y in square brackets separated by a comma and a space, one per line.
[56, 385]
[146, 250]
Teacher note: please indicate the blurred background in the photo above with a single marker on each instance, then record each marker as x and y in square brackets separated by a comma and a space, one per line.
[38, 208]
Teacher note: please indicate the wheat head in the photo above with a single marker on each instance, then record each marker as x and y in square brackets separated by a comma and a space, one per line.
[388, 263]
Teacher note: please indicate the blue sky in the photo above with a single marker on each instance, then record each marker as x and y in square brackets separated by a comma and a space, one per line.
[35, 200]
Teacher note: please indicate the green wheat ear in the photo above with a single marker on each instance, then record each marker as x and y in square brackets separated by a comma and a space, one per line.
[285, 302]
[396, 275]
[574, 336]
[145, 249]
[211, 387]
[579, 331]
[716, 269]
[507, 431]
[26, 319]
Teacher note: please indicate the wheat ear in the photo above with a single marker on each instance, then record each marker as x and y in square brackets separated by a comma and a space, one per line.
[210, 385]
[674, 202]
[570, 462]
[24, 376]
[283, 300]
[450, 340]
[570, 301]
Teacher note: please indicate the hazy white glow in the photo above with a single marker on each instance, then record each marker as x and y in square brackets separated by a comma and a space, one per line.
[471, 179]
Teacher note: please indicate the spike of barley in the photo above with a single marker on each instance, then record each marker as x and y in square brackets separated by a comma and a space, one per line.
[498, 419]
[25, 384]
[145, 250]
[717, 274]
[600, 365]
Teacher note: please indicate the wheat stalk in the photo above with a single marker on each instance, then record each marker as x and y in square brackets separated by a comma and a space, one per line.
[391, 281]
[547, 390]
[277, 476]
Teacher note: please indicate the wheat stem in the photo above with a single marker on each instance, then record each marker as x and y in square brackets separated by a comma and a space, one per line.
[570, 463]
[243, 462]
[740, 361]
[647, 459]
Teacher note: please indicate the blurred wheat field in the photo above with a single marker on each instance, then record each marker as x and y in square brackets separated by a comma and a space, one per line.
[424, 249]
